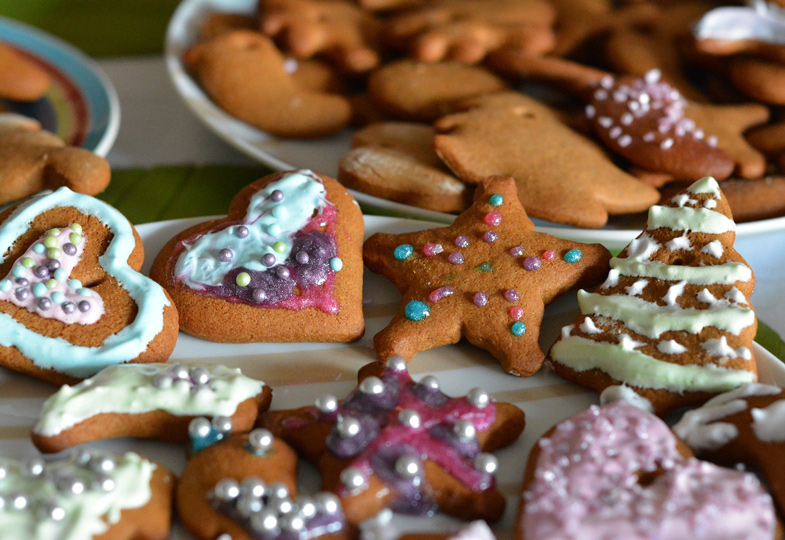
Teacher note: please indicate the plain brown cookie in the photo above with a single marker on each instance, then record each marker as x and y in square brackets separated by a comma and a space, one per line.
[423, 92]
[485, 278]
[32, 160]
[120, 308]
[339, 31]
[245, 74]
[396, 161]
[217, 24]
[561, 175]
[760, 79]
[21, 79]
[231, 320]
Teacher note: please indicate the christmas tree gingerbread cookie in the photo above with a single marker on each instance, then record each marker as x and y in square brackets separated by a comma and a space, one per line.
[673, 321]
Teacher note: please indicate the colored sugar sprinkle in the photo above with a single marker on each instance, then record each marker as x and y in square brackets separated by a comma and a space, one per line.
[573, 256]
[441, 293]
[336, 264]
[532, 263]
[511, 295]
[517, 251]
[243, 279]
[403, 252]
[416, 310]
[431, 250]
[461, 241]
[480, 299]
[490, 236]
[493, 219]
[455, 258]
[516, 312]
[517, 328]
[485, 267]
[496, 200]
[548, 255]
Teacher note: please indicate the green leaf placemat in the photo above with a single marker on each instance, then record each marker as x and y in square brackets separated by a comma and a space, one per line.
[770, 340]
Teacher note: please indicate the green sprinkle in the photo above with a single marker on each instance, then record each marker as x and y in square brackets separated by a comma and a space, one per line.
[50, 242]
[27, 262]
[75, 238]
[51, 283]
[280, 247]
[485, 267]
[53, 232]
[76, 227]
[53, 253]
[243, 279]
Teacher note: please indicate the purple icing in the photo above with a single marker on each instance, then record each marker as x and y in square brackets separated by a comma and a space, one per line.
[410, 500]
[346, 447]
[467, 448]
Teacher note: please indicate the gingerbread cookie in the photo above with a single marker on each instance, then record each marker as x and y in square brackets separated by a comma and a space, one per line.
[149, 401]
[32, 160]
[404, 445]
[513, 134]
[217, 24]
[72, 300]
[466, 30]
[423, 92]
[673, 320]
[246, 75]
[284, 265]
[245, 487]
[86, 495]
[619, 472]
[487, 278]
[21, 79]
[343, 33]
[396, 161]
[746, 425]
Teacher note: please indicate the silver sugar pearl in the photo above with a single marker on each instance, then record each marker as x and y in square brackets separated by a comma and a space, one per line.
[17, 501]
[3, 472]
[199, 428]
[226, 490]
[179, 371]
[34, 467]
[242, 231]
[326, 404]
[353, 479]
[103, 464]
[162, 381]
[464, 430]
[223, 424]
[372, 385]
[50, 510]
[225, 255]
[265, 522]
[486, 463]
[396, 363]
[199, 375]
[408, 467]
[430, 381]
[410, 418]
[348, 426]
[307, 508]
[104, 483]
[81, 456]
[327, 503]
[281, 506]
[247, 505]
[261, 440]
[478, 397]
[70, 485]
[278, 490]
[291, 524]
[253, 487]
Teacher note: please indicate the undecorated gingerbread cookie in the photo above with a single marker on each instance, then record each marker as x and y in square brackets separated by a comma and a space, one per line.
[21, 79]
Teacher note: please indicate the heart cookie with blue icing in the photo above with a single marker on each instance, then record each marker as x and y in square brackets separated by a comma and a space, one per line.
[284, 266]
[72, 300]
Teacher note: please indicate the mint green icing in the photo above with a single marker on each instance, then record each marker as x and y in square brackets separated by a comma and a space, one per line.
[129, 389]
[697, 220]
[57, 353]
[635, 368]
[87, 514]
[723, 274]
[270, 225]
[707, 184]
[652, 320]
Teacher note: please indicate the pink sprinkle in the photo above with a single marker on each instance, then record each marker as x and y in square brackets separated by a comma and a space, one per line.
[624, 141]
[590, 111]
[600, 95]
[517, 251]
[627, 118]
[698, 134]
[548, 255]
[461, 241]
[480, 299]
[649, 137]
[431, 250]
[667, 143]
[511, 295]
[606, 82]
[455, 258]
[516, 312]
[493, 219]
[441, 293]
[614, 132]
[605, 121]
[712, 140]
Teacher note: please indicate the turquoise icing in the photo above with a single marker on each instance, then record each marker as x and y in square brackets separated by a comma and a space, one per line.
[128, 343]
[269, 224]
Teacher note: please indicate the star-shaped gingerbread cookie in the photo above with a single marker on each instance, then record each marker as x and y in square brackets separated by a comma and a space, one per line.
[487, 278]
[404, 445]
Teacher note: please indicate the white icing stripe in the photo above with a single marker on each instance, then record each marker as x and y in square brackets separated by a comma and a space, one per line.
[720, 347]
[652, 320]
[720, 274]
[707, 184]
[635, 368]
[769, 423]
[620, 392]
[697, 220]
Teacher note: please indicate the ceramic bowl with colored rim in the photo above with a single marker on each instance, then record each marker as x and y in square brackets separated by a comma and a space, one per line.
[81, 106]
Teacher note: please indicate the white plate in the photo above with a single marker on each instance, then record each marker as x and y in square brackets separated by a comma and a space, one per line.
[300, 371]
[323, 155]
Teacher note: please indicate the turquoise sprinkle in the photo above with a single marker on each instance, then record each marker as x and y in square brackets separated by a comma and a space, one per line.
[39, 289]
[518, 328]
[5, 285]
[573, 256]
[61, 275]
[485, 267]
[84, 292]
[58, 297]
[39, 248]
[279, 211]
[75, 284]
[496, 200]
[336, 264]
[403, 252]
[416, 310]
[19, 271]
[274, 229]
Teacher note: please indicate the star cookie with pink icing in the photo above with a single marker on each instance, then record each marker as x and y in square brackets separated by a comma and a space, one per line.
[616, 472]
[673, 320]
[746, 425]
[400, 444]
[487, 278]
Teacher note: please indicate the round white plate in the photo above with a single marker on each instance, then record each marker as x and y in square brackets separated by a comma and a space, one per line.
[323, 155]
[298, 372]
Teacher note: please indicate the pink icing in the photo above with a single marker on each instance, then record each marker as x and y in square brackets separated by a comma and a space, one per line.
[62, 301]
[588, 484]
